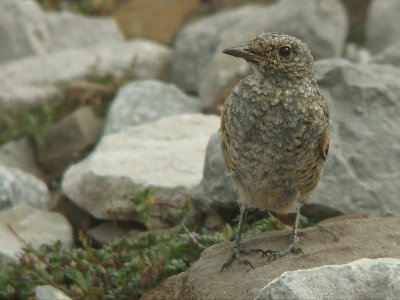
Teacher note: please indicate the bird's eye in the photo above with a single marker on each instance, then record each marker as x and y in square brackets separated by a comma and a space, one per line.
[285, 51]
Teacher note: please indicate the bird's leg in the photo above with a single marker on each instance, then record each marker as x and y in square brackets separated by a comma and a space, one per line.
[237, 251]
[291, 247]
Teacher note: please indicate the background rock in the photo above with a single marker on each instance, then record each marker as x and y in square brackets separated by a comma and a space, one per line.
[69, 31]
[198, 59]
[23, 30]
[390, 55]
[34, 81]
[18, 187]
[361, 173]
[67, 140]
[361, 279]
[20, 154]
[143, 101]
[47, 292]
[324, 29]
[158, 20]
[383, 25]
[166, 155]
[215, 191]
[337, 243]
[22, 225]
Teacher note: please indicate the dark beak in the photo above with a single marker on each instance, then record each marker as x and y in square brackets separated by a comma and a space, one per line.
[243, 52]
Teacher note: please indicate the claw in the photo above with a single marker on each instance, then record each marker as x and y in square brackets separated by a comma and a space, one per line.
[237, 255]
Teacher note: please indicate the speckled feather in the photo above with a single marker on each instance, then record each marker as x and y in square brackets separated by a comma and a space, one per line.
[275, 127]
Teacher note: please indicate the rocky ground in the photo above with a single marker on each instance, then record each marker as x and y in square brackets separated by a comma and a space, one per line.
[109, 126]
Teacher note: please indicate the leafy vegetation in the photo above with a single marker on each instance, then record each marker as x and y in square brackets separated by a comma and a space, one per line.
[89, 7]
[31, 122]
[124, 269]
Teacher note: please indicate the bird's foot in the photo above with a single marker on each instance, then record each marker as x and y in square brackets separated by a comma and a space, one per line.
[237, 255]
[274, 254]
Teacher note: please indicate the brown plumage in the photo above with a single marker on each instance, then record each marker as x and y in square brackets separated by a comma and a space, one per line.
[275, 127]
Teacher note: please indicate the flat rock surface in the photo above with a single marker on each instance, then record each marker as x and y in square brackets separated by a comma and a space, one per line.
[23, 225]
[361, 279]
[336, 243]
[166, 155]
[144, 101]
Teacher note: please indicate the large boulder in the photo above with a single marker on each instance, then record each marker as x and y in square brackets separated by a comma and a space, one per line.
[199, 65]
[34, 81]
[383, 25]
[19, 154]
[22, 225]
[166, 155]
[69, 30]
[18, 187]
[331, 244]
[362, 279]
[23, 30]
[361, 173]
[144, 101]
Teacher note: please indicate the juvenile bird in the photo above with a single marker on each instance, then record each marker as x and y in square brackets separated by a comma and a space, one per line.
[275, 128]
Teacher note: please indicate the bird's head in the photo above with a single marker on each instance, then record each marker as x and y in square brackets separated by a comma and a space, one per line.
[276, 55]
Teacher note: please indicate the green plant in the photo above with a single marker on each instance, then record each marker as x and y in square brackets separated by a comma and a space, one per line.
[30, 122]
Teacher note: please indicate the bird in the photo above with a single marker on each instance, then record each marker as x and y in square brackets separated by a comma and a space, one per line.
[275, 134]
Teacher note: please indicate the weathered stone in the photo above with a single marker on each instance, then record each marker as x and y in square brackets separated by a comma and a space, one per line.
[110, 231]
[23, 30]
[390, 56]
[144, 101]
[69, 31]
[364, 152]
[156, 20]
[18, 187]
[19, 154]
[47, 292]
[166, 155]
[24, 224]
[36, 80]
[215, 191]
[322, 25]
[383, 25]
[360, 279]
[332, 244]
[363, 160]
[198, 59]
[66, 141]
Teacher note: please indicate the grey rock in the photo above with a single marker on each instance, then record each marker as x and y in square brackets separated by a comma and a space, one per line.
[24, 224]
[19, 154]
[390, 55]
[321, 24]
[144, 101]
[196, 44]
[33, 81]
[18, 187]
[68, 140]
[166, 155]
[215, 191]
[47, 292]
[383, 25]
[70, 31]
[360, 279]
[331, 244]
[23, 30]
[361, 173]
[197, 55]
